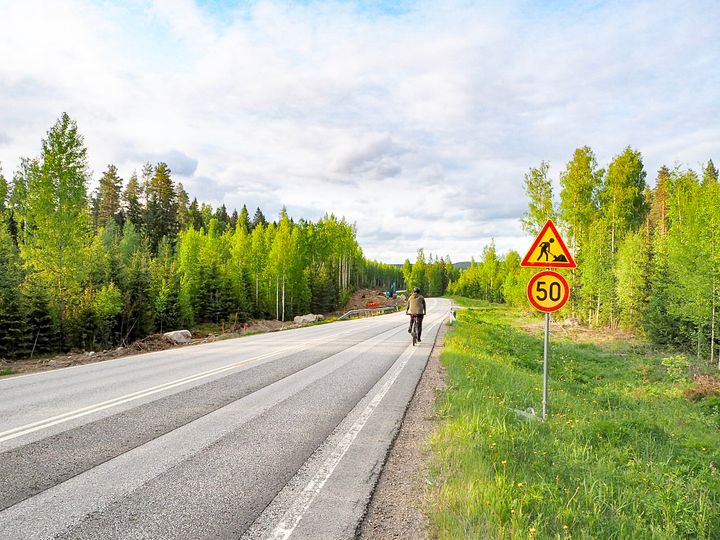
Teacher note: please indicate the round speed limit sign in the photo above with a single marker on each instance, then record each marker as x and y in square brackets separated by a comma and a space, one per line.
[548, 291]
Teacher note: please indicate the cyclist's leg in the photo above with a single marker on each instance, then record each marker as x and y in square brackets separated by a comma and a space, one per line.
[419, 326]
[411, 325]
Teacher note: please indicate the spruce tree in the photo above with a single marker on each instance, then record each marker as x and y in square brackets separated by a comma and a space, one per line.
[710, 175]
[196, 220]
[258, 219]
[3, 194]
[132, 201]
[183, 208]
[161, 211]
[12, 324]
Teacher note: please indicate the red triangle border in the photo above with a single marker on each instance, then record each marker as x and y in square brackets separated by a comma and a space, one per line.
[549, 264]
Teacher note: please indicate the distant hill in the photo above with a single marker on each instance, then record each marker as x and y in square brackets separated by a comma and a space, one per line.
[462, 265]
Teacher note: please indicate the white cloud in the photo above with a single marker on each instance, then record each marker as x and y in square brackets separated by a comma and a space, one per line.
[418, 125]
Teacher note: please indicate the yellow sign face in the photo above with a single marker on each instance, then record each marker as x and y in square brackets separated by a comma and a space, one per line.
[549, 250]
[548, 291]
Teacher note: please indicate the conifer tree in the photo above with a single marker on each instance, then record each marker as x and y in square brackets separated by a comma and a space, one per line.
[259, 219]
[132, 201]
[161, 211]
[195, 216]
[183, 208]
[12, 324]
[109, 193]
[710, 175]
[4, 189]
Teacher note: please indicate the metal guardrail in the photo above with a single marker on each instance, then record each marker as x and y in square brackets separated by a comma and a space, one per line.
[367, 312]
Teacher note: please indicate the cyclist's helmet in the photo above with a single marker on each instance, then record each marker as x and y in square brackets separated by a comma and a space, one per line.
[416, 289]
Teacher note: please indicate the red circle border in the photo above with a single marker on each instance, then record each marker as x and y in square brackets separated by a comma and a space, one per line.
[538, 276]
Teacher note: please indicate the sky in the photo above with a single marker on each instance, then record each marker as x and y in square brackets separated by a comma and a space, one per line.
[415, 120]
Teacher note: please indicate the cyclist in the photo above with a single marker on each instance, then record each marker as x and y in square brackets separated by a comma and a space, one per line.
[416, 309]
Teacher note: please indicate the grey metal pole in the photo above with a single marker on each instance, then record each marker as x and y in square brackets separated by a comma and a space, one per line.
[545, 366]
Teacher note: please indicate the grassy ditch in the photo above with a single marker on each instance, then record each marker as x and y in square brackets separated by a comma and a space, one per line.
[624, 454]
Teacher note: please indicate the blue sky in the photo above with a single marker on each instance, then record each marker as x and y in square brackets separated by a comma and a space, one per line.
[416, 120]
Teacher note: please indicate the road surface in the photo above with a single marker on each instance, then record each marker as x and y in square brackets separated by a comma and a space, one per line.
[277, 435]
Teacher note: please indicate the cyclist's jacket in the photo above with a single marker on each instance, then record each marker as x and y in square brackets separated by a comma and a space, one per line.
[416, 304]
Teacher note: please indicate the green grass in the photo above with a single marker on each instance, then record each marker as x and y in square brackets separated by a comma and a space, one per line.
[4, 372]
[623, 454]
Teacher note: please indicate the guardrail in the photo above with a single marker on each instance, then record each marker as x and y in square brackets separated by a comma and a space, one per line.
[367, 312]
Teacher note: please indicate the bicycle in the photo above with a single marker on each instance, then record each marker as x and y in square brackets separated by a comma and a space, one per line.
[413, 329]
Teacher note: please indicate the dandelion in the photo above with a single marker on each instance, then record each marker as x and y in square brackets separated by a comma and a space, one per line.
[533, 531]
[565, 527]
[521, 485]
[504, 462]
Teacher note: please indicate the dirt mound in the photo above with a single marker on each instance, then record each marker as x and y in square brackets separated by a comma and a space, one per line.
[370, 298]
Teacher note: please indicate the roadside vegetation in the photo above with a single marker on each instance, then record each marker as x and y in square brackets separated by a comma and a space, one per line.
[91, 270]
[631, 448]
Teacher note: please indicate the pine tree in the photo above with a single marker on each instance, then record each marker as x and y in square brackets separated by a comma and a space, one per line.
[57, 216]
[109, 197]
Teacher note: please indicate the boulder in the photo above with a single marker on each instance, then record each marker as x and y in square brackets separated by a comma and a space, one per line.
[179, 336]
[309, 318]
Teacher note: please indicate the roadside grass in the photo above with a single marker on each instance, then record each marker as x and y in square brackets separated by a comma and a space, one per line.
[4, 372]
[623, 455]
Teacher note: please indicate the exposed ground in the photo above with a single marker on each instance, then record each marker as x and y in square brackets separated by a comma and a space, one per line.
[396, 509]
[157, 342]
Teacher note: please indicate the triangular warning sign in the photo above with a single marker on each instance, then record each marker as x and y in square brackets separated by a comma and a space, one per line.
[549, 250]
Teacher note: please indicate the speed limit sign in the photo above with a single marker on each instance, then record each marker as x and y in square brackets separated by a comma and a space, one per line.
[548, 291]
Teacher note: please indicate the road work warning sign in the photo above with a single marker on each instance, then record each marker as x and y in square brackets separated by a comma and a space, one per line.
[549, 250]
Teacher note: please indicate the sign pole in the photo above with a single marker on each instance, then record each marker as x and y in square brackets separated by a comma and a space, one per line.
[545, 367]
[548, 291]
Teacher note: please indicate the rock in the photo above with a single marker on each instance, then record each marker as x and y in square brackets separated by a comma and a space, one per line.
[179, 336]
[570, 321]
[310, 317]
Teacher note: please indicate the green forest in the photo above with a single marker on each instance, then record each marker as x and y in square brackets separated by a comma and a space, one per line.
[81, 270]
[647, 256]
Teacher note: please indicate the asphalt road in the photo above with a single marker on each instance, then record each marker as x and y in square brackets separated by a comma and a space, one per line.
[278, 435]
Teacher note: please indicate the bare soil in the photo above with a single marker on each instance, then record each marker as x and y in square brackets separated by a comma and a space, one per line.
[397, 506]
[581, 334]
[363, 298]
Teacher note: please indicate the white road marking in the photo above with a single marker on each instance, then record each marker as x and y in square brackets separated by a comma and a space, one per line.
[302, 503]
[84, 411]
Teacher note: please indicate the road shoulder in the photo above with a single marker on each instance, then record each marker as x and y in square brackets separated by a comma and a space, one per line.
[396, 508]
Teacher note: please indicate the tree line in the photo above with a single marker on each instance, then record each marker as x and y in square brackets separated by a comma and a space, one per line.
[94, 270]
[647, 256]
[431, 274]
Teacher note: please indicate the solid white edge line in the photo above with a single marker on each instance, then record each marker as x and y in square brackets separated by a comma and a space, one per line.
[295, 513]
